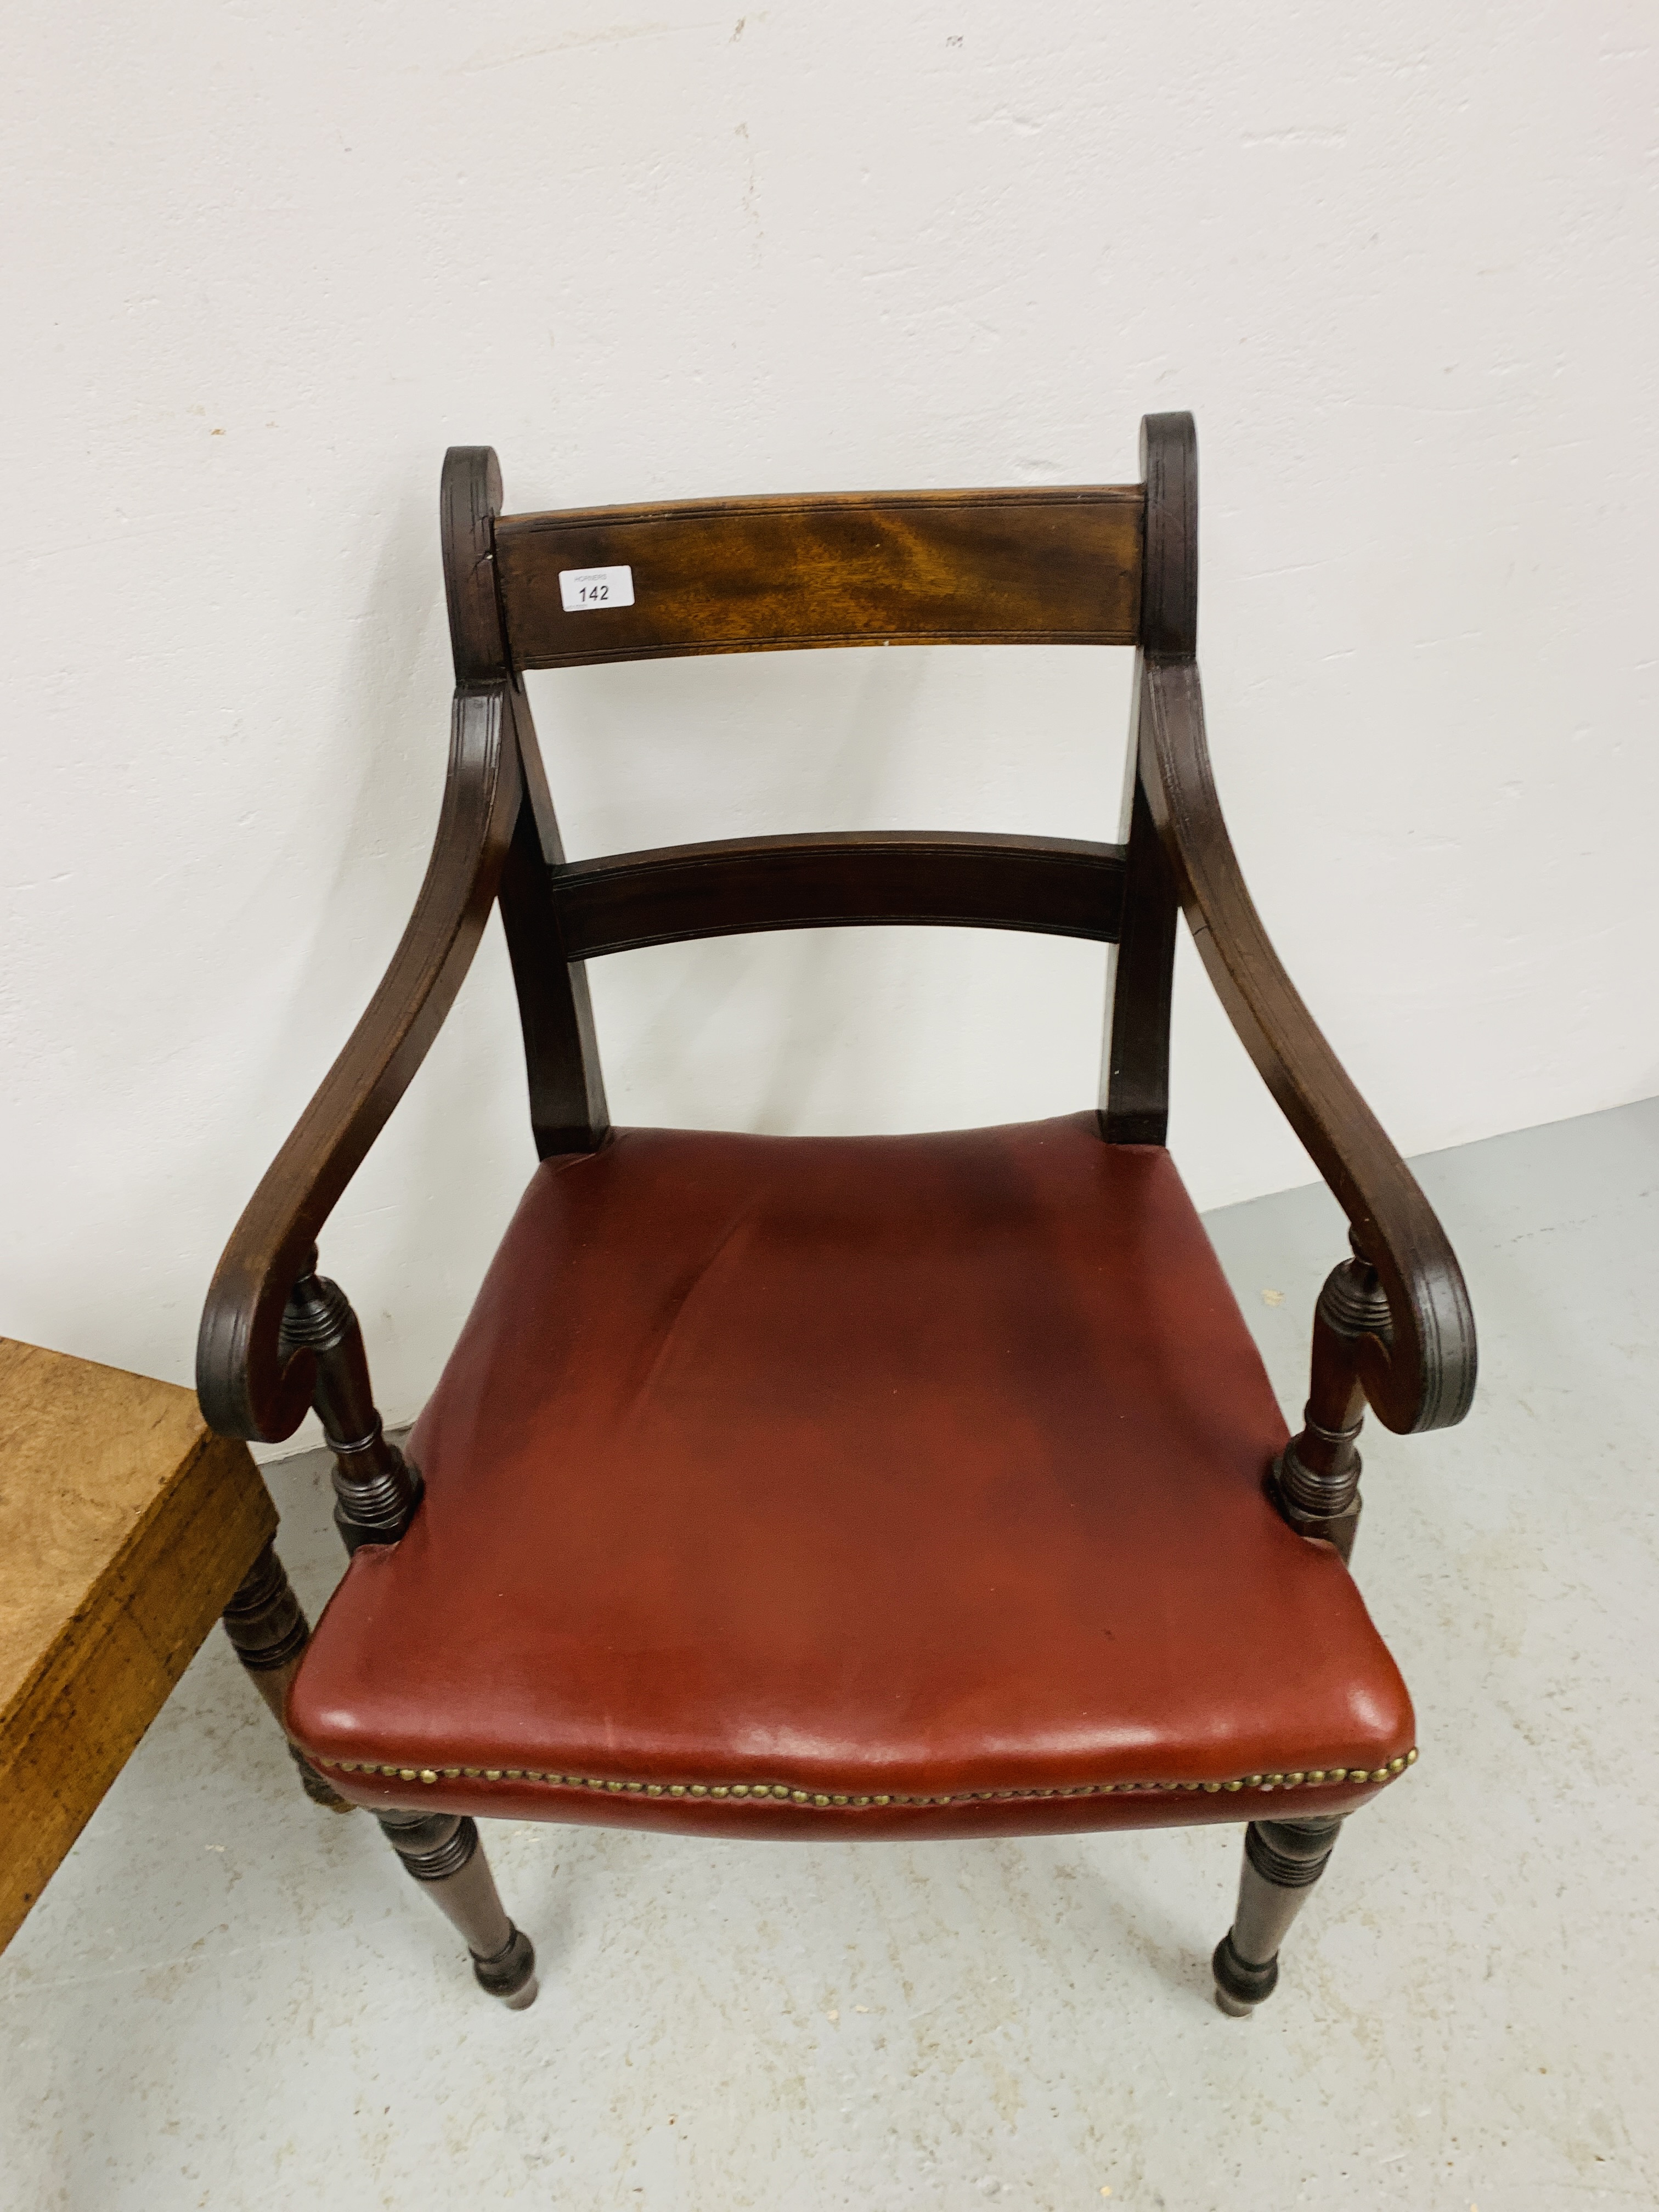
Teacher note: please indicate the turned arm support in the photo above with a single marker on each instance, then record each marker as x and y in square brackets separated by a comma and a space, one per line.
[1394, 1328]
[274, 1338]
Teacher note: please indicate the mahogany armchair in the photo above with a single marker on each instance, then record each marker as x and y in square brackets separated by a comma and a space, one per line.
[883, 1487]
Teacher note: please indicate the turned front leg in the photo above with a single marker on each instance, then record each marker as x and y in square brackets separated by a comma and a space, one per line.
[376, 1491]
[1283, 1860]
[268, 1632]
[443, 1853]
[1316, 1478]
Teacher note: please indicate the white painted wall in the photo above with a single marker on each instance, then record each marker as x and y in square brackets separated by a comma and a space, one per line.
[267, 261]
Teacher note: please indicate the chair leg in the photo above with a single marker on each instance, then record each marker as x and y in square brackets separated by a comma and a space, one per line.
[270, 1632]
[378, 1493]
[442, 1851]
[1283, 1859]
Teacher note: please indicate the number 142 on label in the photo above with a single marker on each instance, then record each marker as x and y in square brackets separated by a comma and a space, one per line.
[581, 590]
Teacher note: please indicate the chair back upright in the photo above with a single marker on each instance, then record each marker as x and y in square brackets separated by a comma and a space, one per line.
[1101, 565]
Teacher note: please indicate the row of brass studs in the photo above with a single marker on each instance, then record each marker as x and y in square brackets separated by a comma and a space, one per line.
[781, 1793]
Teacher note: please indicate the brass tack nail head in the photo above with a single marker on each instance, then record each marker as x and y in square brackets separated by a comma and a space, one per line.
[613, 1785]
[798, 1797]
[1253, 1781]
[1315, 1774]
[860, 1800]
[1380, 1774]
[1396, 1767]
[1411, 1757]
[492, 1774]
[635, 1786]
[1232, 1785]
[676, 1790]
[428, 1774]
[881, 1800]
[1213, 1787]
[719, 1790]
[1294, 1781]
[820, 1801]
[405, 1773]
[653, 1790]
[838, 1801]
[699, 1789]
[739, 1789]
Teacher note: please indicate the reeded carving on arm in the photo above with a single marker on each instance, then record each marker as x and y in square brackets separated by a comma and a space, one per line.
[250, 1382]
[1394, 1328]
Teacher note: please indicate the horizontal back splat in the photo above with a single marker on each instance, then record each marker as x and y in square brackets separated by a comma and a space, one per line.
[1052, 566]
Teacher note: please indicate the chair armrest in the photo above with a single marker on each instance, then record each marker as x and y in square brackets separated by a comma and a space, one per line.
[1418, 1368]
[249, 1383]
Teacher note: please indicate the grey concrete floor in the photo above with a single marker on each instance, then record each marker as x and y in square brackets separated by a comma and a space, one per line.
[228, 1998]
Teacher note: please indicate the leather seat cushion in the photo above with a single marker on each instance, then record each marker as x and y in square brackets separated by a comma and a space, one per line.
[807, 1485]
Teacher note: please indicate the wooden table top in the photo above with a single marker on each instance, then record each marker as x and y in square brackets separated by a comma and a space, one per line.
[125, 1524]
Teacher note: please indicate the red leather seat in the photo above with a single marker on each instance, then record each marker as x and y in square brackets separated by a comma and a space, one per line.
[875, 1485]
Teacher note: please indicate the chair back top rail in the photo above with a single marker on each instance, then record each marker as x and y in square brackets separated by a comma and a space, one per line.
[1060, 887]
[1051, 565]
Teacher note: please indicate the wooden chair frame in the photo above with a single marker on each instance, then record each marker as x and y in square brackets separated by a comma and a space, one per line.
[1114, 565]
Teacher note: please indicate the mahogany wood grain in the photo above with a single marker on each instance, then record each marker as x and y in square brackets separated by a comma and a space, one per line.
[1283, 1860]
[1168, 604]
[1052, 566]
[248, 1386]
[1423, 1377]
[266, 1628]
[376, 1492]
[1134, 1105]
[125, 1527]
[744, 575]
[567, 1110]
[442, 1852]
[1112, 565]
[1135, 1102]
[1062, 887]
